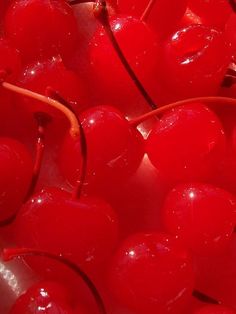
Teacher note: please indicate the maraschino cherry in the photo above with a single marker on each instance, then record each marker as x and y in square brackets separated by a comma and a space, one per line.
[193, 63]
[52, 74]
[115, 150]
[187, 143]
[85, 230]
[44, 297]
[162, 16]
[201, 215]
[140, 55]
[152, 273]
[54, 32]
[52, 297]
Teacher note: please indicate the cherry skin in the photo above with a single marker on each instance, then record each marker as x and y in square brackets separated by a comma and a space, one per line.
[83, 230]
[11, 63]
[201, 215]
[51, 73]
[216, 275]
[212, 12]
[214, 309]
[230, 34]
[163, 17]
[187, 143]
[194, 62]
[109, 75]
[152, 273]
[44, 297]
[10, 60]
[55, 34]
[114, 150]
[16, 168]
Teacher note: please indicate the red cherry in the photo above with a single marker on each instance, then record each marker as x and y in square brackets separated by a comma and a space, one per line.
[44, 297]
[50, 294]
[163, 16]
[51, 73]
[110, 76]
[115, 149]
[152, 273]
[55, 34]
[83, 230]
[212, 12]
[187, 143]
[201, 215]
[16, 172]
[214, 309]
[194, 62]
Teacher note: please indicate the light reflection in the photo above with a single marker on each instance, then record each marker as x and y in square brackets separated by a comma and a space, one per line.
[131, 253]
[10, 279]
[117, 26]
[191, 195]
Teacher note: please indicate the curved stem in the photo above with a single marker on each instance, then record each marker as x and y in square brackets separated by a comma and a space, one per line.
[147, 11]
[42, 120]
[208, 100]
[74, 127]
[100, 11]
[9, 254]
[77, 191]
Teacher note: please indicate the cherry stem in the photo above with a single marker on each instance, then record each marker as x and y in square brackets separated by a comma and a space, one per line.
[11, 253]
[147, 11]
[74, 127]
[42, 119]
[204, 298]
[233, 5]
[209, 100]
[77, 191]
[101, 12]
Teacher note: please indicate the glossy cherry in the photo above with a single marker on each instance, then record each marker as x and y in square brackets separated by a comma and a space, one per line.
[52, 74]
[187, 143]
[84, 230]
[194, 62]
[52, 294]
[115, 149]
[152, 273]
[214, 309]
[163, 16]
[16, 172]
[110, 76]
[201, 215]
[44, 297]
[54, 32]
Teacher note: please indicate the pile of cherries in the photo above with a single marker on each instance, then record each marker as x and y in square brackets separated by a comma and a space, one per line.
[118, 157]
